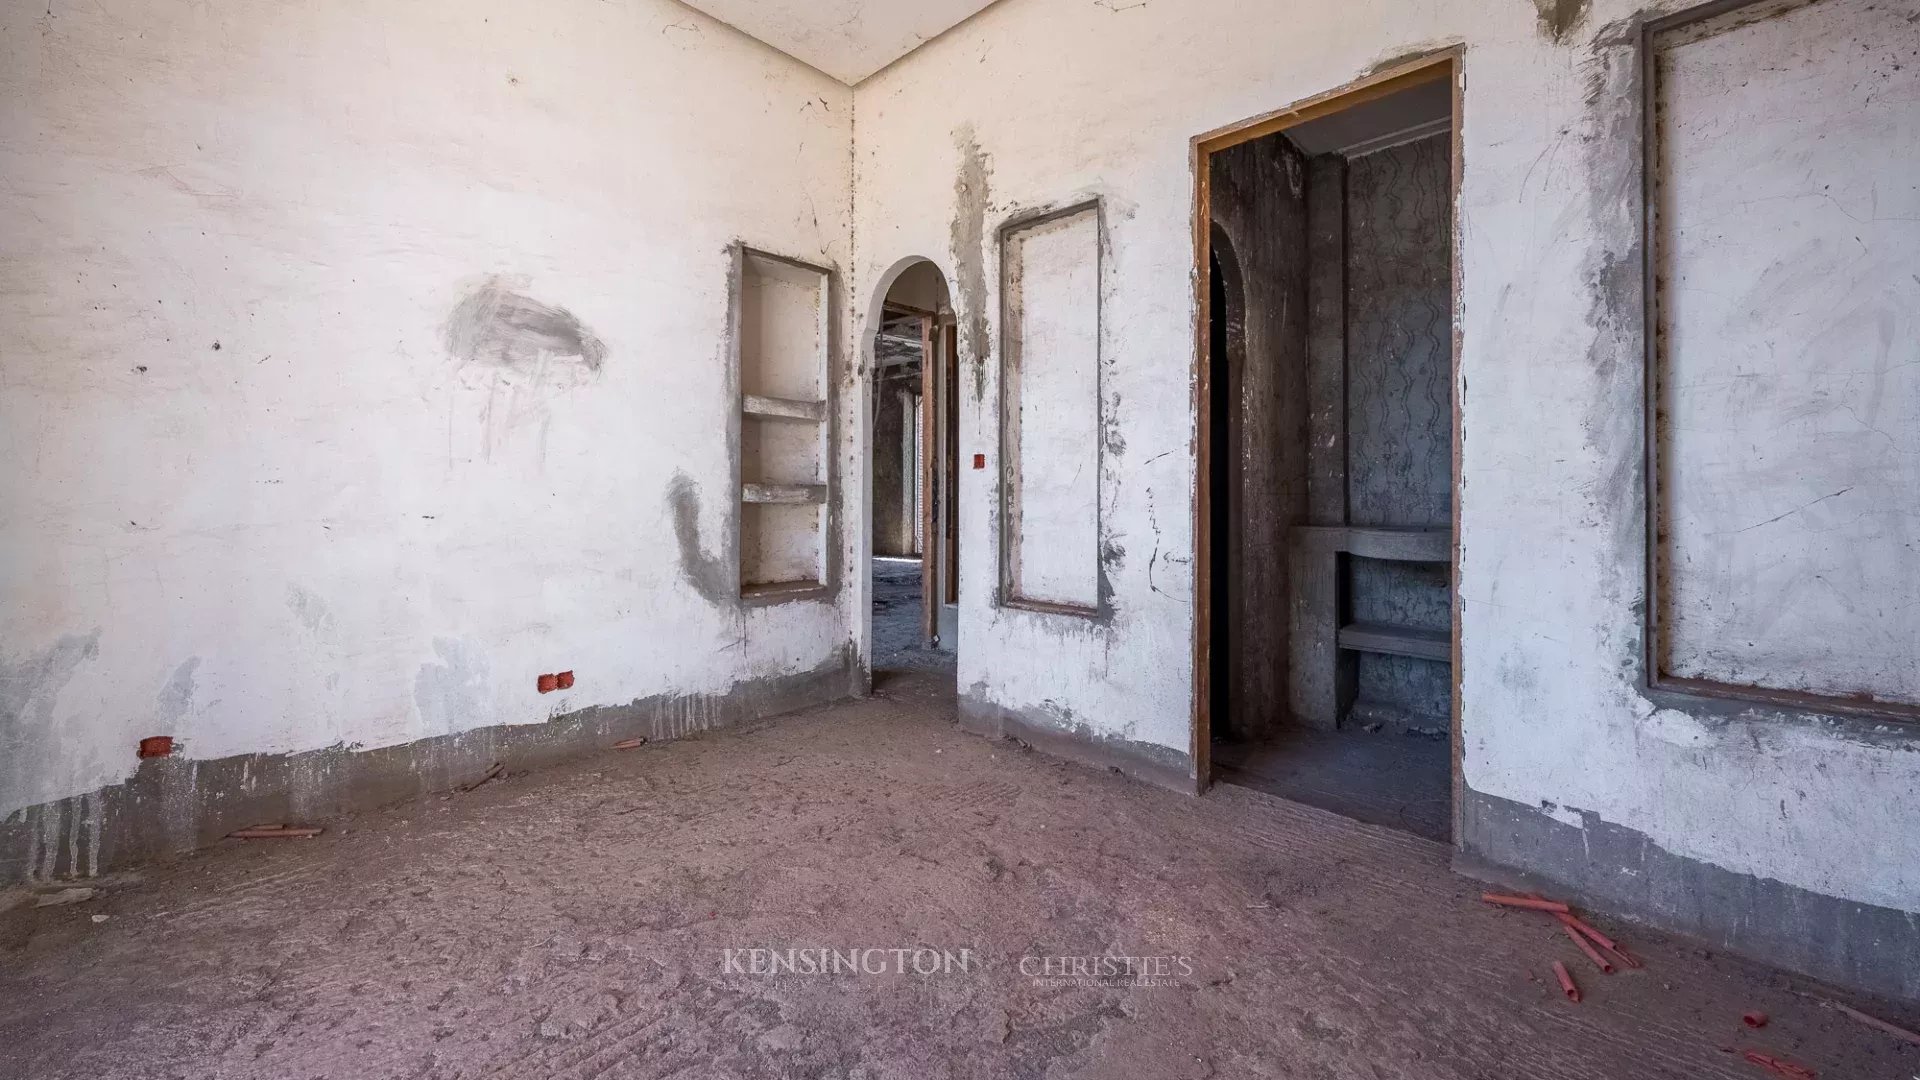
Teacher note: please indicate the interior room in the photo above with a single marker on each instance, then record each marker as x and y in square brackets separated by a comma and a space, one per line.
[1331, 344]
[1051, 539]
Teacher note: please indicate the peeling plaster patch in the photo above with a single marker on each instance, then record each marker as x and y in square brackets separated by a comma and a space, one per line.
[1560, 18]
[451, 695]
[710, 575]
[968, 248]
[1675, 728]
[1113, 443]
[29, 690]
[1406, 55]
[498, 327]
[1565, 815]
[176, 698]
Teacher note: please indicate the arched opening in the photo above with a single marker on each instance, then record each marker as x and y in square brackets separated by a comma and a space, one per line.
[912, 472]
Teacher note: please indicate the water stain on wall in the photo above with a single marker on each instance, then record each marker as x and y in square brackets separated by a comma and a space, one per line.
[1560, 18]
[29, 689]
[967, 245]
[499, 327]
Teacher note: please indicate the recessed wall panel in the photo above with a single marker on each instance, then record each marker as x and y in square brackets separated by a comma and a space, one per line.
[1050, 382]
[1786, 229]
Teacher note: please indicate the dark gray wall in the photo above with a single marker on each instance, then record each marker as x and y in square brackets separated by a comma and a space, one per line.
[1259, 205]
[1399, 338]
[1399, 411]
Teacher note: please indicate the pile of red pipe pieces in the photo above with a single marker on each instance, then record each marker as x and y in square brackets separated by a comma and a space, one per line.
[1607, 954]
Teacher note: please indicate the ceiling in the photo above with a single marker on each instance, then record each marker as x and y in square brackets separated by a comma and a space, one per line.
[847, 39]
[1400, 117]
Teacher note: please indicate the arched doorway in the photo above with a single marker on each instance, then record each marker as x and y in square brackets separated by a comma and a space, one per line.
[912, 471]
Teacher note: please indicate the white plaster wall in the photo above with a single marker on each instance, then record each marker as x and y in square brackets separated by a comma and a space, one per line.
[1071, 98]
[1791, 444]
[329, 531]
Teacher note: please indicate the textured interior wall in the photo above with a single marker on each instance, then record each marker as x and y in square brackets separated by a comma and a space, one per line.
[1398, 399]
[1790, 444]
[1259, 210]
[366, 361]
[1399, 336]
[986, 122]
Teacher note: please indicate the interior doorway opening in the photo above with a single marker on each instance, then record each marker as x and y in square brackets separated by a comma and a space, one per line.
[914, 468]
[1328, 355]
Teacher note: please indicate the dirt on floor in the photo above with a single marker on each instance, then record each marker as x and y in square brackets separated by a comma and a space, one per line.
[899, 632]
[577, 922]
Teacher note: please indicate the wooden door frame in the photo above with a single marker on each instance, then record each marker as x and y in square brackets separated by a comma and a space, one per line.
[929, 490]
[929, 564]
[1415, 71]
[949, 331]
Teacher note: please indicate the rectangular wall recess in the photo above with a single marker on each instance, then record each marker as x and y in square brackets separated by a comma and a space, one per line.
[783, 332]
[1783, 146]
[1050, 411]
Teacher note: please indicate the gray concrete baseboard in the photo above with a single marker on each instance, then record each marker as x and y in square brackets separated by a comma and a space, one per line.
[177, 804]
[1615, 869]
[1156, 765]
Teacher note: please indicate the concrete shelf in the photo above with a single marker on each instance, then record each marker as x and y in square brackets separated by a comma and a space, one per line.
[784, 494]
[1397, 641]
[772, 408]
[1391, 543]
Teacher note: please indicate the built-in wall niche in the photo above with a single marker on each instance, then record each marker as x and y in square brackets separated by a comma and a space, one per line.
[783, 334]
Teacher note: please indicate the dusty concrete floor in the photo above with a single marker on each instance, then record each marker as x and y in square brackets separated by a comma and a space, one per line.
[899, 639]
[572, 922]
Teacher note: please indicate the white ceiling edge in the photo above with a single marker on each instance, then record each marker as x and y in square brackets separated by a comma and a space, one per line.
[846, 39]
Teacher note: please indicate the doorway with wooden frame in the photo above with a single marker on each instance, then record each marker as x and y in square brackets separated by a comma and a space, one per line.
[914, 463]
[1326, 644]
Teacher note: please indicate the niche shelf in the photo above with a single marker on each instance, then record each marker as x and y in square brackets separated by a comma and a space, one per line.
[756, 407]
[782, 335]
[784, 494]
[1390, 640]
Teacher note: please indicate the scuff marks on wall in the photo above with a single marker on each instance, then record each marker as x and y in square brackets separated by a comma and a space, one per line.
[522, 354]
[968, 246]
[29, 689]
[712, 576]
